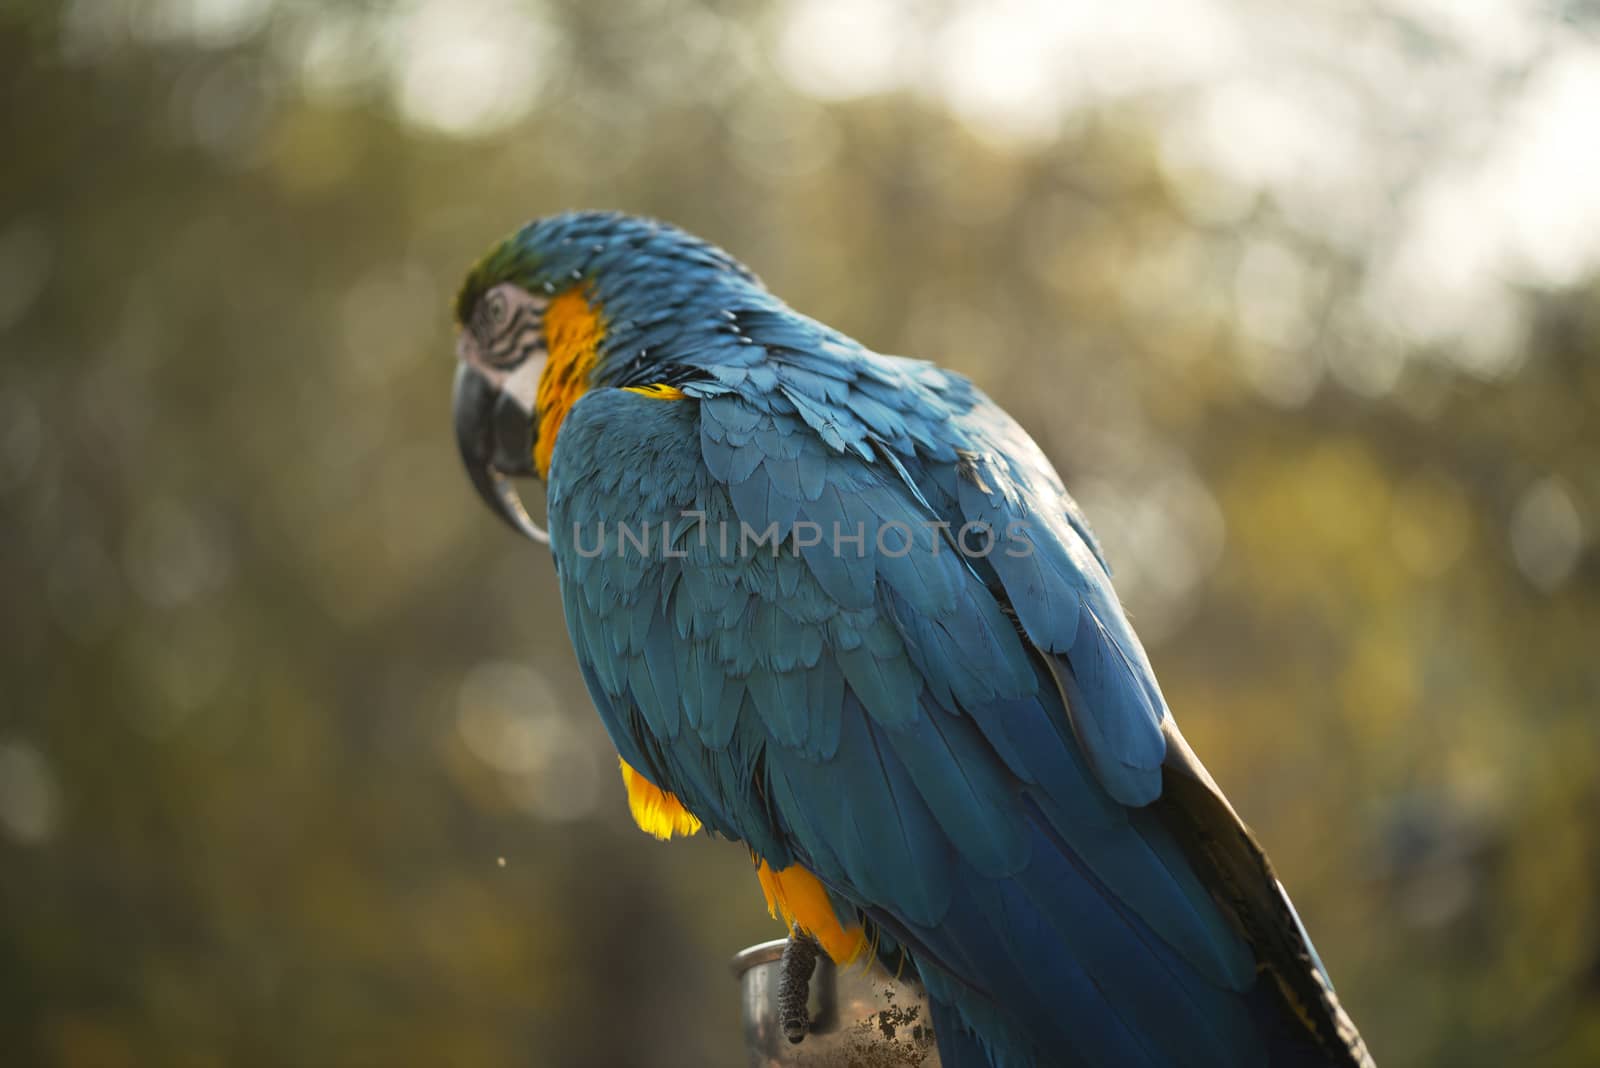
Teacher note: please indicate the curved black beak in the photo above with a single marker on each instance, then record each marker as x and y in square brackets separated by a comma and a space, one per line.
[495, 435]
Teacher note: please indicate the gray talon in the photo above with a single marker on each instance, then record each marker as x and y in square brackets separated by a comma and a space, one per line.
[794, 984]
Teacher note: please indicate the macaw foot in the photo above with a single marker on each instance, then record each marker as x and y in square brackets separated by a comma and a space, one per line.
[794, 984]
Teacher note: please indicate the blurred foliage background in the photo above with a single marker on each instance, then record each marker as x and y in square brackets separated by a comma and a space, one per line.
[295, 766]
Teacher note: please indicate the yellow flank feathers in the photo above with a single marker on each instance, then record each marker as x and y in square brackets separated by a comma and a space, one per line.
[799, 897]
[656, 812]
[573, 330]
[660, 391]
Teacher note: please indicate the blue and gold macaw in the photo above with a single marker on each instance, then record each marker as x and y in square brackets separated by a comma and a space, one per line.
[838, 606]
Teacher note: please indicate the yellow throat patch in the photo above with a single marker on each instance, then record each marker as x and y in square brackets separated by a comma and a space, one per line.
[573, 330]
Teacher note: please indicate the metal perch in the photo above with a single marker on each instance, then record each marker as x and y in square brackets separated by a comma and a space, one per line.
[800, 1009]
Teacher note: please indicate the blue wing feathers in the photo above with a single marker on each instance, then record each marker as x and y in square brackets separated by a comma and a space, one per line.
[966, 792]
[966, 779]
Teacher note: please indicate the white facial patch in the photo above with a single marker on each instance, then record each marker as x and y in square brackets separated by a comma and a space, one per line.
[522, 384]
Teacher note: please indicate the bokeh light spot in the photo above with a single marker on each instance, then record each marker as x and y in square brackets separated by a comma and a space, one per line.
[1547, 535]
[470, 67]
[30, 800]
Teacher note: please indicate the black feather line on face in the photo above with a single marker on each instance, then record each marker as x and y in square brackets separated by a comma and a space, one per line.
[518, 339]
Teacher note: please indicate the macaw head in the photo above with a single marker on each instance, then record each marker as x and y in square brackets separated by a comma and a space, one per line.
[566, 304]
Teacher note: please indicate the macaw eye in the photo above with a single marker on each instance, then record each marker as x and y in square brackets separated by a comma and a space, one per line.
[508, 325]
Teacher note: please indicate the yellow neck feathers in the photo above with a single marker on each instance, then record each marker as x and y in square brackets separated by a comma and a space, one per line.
[573, 330]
